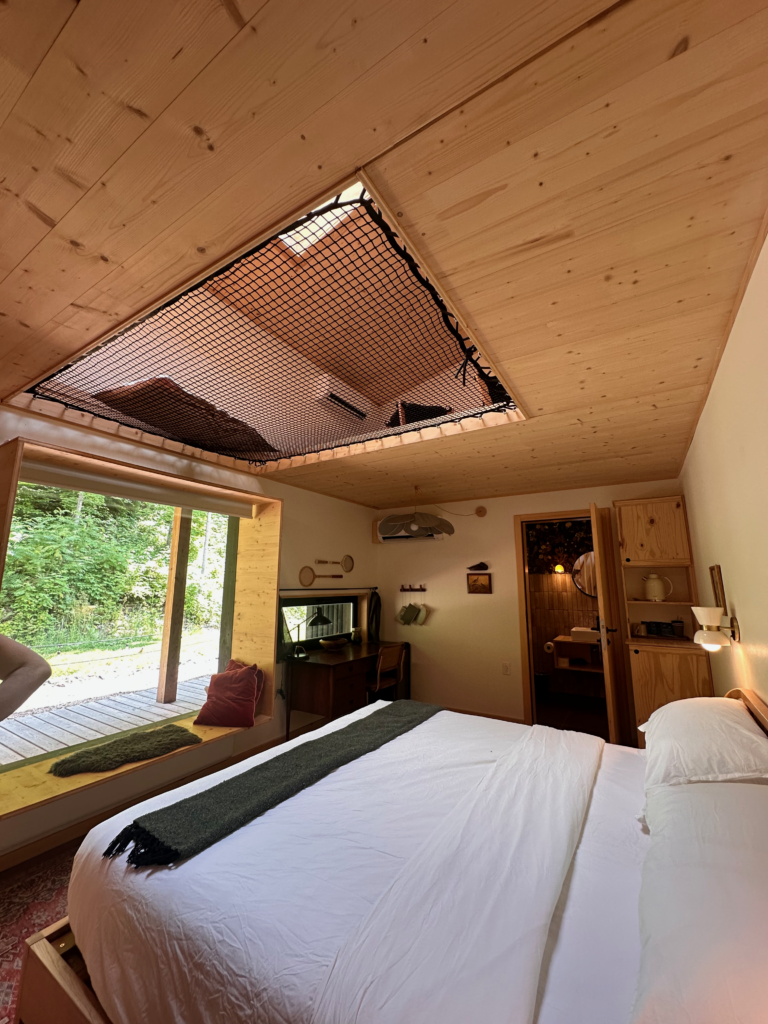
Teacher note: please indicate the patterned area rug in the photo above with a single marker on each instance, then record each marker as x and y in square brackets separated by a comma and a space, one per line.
[32, 896]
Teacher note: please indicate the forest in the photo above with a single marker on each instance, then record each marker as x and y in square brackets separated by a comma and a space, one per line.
[85, 571]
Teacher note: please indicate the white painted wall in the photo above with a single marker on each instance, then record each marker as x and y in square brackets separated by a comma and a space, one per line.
[457, 655]
[725, 478]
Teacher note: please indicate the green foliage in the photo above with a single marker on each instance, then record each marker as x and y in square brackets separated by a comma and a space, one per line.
[87, 570]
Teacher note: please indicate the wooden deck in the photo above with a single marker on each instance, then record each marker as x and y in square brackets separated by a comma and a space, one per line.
[45, 732]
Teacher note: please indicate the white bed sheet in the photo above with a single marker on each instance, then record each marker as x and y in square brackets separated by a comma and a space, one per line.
[246, 931]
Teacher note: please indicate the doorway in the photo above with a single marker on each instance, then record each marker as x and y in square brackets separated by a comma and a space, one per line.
[568, 607]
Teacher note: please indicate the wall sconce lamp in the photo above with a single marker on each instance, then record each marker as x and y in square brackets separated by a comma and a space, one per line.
[559, 569]
[712, 636]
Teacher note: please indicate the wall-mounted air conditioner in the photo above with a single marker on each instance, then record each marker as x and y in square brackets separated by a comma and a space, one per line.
[401, 535]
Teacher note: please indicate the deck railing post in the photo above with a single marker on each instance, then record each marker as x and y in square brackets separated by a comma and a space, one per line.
[173, 623]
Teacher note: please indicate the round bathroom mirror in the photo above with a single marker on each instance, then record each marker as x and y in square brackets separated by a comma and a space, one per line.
[584, 575]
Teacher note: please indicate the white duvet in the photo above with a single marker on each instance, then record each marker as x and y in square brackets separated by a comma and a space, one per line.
[258, 928]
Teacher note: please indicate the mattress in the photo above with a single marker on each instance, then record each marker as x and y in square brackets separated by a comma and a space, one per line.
[247, 930]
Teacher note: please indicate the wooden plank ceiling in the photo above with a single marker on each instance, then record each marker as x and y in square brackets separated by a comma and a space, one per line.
[589, 183]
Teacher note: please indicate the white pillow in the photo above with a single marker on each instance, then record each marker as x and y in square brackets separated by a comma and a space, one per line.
[704, 739]
[704, 907]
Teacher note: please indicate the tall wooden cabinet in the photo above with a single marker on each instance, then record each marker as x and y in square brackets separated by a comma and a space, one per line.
[654, 537]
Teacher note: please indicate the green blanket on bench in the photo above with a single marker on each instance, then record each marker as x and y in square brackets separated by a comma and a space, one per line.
[185, 828]
[139, 746]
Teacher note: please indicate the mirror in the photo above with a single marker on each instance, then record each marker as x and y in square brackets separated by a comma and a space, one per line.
[583, 574]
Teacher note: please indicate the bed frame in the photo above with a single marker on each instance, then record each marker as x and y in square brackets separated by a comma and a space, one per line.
[56, 989]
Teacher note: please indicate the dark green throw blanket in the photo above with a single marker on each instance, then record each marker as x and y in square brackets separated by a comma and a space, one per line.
[185, 828]
[139, 746]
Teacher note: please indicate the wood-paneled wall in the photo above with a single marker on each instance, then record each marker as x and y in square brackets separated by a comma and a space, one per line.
[555, 605]
[254, 630]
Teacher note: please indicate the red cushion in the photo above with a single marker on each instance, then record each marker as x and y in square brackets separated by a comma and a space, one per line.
[232, 696]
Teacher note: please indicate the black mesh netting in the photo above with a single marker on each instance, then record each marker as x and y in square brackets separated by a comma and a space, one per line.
[325, 335]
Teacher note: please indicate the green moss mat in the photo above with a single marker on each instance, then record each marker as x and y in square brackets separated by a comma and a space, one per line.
[141, 746]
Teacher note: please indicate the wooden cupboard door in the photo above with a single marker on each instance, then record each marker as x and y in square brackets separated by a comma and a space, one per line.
[661, 676]
[654, 532]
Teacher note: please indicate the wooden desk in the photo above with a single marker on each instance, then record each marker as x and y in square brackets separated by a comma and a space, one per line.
[333, 683]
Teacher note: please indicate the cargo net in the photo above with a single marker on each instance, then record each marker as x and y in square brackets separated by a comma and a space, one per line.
[324, 335]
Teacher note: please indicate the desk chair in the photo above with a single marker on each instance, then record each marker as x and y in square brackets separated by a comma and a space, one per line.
[389, 669]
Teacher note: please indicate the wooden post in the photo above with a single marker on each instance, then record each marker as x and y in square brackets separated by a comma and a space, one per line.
[228, 597]
[173, 623]
[10, 463]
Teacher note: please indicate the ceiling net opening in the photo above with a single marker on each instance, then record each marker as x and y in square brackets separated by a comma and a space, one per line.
[324, 335]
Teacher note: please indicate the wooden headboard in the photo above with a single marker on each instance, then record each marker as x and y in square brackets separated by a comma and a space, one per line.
[754, 703]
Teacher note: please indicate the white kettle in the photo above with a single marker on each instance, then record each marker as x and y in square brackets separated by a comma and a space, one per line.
[655, 589]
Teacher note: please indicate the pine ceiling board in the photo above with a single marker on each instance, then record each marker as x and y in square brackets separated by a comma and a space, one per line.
[613, 442]
[288, 108]
[605, 367]
[109, 74]
[687, 189]
[615, 278]
[27, 30]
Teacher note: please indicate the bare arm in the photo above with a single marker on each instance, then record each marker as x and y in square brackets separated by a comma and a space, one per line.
[21, 672]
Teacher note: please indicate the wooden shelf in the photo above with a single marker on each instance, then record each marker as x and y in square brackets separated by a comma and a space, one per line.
[637, 564]
[637, 600]
[579, 668]
[665, 641]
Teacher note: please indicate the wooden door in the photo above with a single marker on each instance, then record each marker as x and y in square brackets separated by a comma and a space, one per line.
[654, 532]
[661, 675]
[610, 632]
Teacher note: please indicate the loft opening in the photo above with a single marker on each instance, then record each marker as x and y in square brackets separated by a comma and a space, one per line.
[326, 334]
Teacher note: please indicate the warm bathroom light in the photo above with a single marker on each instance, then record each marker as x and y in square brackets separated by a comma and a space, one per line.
[711, 635]
[559, 568]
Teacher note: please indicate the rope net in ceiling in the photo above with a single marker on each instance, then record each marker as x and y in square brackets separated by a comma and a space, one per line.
[324, 335]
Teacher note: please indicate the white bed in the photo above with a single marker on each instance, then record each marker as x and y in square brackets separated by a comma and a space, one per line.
[248, 930]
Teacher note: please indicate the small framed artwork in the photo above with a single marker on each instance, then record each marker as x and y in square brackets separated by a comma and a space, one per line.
[479, 583]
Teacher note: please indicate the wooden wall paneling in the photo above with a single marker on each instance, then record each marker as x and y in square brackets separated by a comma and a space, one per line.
[556, 605]
[281, 106]
[173, 622]
[228, 595]
[27, 31]
[108, 76]
[10, 464]
[254, 631]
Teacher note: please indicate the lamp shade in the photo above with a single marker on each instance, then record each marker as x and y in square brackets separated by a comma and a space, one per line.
[708, 616]
[318, 619]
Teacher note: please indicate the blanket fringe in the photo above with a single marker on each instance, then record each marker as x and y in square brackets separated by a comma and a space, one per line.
[147, 849]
